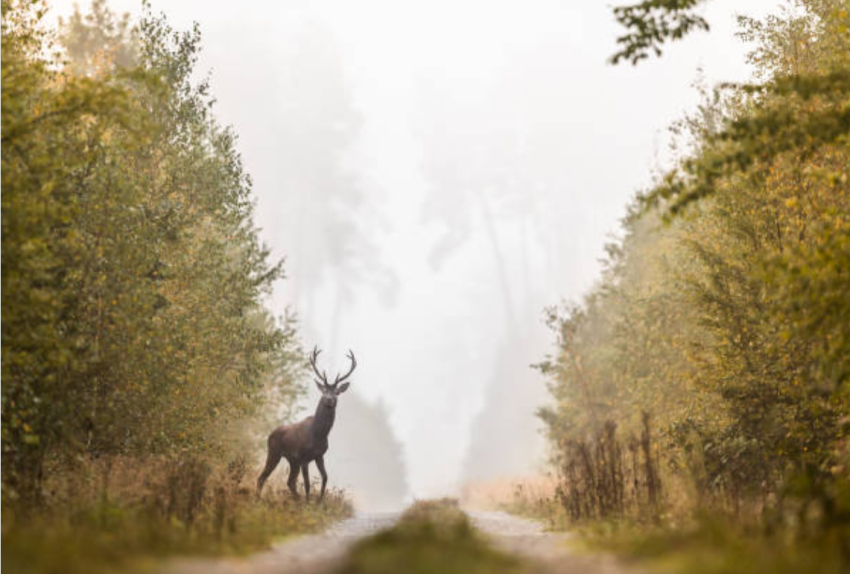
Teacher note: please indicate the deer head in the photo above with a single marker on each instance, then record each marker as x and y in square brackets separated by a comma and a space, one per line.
[330, 391]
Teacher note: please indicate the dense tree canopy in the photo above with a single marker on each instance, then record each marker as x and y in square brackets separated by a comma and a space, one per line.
[133, 277]
[730, 323]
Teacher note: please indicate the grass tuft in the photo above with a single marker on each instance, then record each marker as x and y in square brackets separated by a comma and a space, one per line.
[431, 536]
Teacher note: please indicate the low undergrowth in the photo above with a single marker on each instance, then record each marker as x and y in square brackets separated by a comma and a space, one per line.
[431, 536]
[696, 542]
[540, 504]
[146, 514]
[713, 545]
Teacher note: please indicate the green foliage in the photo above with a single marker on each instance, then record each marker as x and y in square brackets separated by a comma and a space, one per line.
[650, 23]
[431, 536]
[137, 354]
[46, 122]
[802, 107]
[133, 277]
[96, 41]
[730, 323]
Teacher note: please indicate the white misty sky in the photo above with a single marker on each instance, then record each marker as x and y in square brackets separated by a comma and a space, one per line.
[539, 67]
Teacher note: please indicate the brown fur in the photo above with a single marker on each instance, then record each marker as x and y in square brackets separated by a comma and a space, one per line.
[306, 441]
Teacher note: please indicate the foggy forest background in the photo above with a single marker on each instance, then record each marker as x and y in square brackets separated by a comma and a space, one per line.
[535, 279]
[445, 174]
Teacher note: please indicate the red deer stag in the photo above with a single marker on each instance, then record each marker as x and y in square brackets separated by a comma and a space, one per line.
[307, 441]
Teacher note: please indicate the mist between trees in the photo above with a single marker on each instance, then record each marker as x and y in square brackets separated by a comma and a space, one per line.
[708, 369]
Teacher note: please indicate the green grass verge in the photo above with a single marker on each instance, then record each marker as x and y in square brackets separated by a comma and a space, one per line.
[718, 546]
[431, 536]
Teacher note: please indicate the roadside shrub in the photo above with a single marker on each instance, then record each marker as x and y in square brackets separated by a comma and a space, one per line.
[608, 476]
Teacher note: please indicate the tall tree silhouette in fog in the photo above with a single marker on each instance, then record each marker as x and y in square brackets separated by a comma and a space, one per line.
[324, 213]
[368, 456]
[490, 173]
[325, 219]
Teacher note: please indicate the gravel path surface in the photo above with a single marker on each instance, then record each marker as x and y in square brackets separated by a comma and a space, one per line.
[313, 554]
[548, 553]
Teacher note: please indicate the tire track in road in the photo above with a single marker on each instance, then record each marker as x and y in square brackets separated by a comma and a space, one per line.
[548, 552]
[311, 554]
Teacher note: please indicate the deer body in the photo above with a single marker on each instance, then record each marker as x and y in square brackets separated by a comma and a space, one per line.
[306, 441]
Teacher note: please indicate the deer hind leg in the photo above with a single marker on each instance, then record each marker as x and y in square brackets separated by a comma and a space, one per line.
[292, 483]
[320, 464]
[271, 463]
[305, 471]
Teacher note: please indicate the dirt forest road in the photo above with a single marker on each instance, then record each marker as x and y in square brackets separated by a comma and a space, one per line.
[319, 553]
[313, 554]
[547, 552]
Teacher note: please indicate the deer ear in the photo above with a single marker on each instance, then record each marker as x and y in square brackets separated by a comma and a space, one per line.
[342, 388]
[320, 386]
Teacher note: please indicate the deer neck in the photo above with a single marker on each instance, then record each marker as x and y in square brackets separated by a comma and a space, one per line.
[323, 421]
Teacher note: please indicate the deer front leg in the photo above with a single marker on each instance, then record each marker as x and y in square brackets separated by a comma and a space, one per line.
[292, 483]
[320, 463]
[305, 472]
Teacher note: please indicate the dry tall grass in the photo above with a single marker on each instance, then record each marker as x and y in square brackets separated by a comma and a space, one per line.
[107, 513]
[502, 493]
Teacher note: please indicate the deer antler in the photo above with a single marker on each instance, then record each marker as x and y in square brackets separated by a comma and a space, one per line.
[313, 356]
[339, 378]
